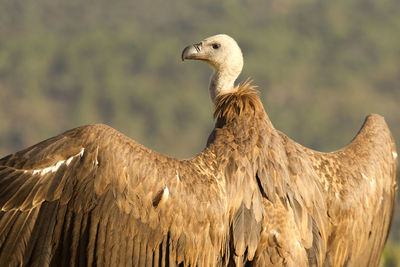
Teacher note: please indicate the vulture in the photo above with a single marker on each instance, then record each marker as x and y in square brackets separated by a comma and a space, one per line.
[253, 197]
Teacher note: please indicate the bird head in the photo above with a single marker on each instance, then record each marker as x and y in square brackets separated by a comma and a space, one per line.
[220, 51]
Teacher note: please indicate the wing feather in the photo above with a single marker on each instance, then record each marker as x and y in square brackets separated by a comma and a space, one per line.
[108, 200]
[360, 183]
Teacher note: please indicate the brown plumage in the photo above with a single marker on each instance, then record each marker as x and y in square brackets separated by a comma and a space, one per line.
[243, 100]
[92, 196]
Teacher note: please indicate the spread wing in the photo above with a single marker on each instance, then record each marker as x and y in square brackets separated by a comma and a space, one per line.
[327, 208]
[92, 196]
[360, 182]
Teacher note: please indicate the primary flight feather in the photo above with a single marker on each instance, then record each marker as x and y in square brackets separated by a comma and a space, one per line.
[93, 197]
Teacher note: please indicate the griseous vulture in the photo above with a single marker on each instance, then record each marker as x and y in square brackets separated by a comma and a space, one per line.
[93, 197]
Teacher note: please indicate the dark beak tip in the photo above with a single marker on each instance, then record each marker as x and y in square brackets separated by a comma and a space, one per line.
[184, 53]
[189, 52]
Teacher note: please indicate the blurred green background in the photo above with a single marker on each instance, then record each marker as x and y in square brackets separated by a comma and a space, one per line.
[321, 67]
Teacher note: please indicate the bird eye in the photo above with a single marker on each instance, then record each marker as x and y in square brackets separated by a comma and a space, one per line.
[215, 46]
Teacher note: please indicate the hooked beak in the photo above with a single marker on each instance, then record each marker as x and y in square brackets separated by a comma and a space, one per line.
[191, 51]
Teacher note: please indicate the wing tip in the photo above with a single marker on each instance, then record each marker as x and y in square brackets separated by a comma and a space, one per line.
[375, 124]
[375, 119]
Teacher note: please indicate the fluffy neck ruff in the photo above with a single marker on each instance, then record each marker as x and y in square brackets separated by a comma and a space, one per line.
[243, 101]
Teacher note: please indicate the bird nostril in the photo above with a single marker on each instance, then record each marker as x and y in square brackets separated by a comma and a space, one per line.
[198, 46]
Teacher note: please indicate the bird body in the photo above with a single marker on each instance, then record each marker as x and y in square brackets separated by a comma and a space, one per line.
[254, 197]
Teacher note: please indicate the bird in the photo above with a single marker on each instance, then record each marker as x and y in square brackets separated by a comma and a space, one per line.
[91, 196]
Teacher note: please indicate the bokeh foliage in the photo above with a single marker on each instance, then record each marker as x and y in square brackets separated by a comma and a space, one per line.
[321, 67]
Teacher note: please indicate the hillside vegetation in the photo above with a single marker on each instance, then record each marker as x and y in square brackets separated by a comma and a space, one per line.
[320, 66]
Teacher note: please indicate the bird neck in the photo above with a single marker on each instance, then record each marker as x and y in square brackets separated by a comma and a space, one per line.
[221, 82]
